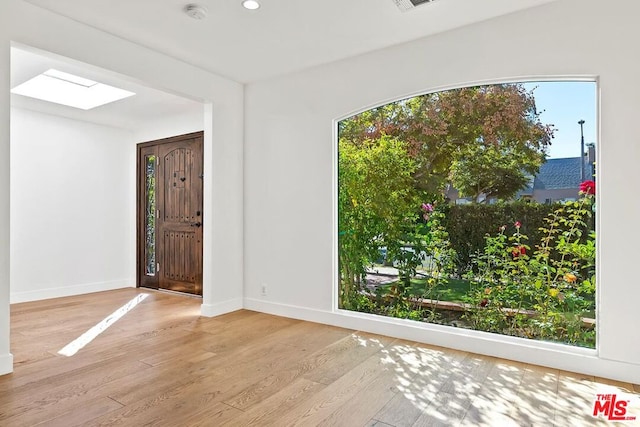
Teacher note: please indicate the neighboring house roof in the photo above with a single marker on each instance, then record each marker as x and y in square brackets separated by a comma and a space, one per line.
[556, 174]
[528, 190]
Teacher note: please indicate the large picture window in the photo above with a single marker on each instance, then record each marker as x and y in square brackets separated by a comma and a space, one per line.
[474, 208]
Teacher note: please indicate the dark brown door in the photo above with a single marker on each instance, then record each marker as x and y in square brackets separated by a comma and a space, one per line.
[170, 187]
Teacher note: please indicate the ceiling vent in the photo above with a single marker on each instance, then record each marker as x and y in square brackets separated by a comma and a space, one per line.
[195, 11]
[405, 5]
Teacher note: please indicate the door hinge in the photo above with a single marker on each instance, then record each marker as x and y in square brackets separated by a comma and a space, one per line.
[158, 267]
[157, 213]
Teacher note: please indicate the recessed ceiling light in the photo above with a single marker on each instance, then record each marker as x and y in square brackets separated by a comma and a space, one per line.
[251, 4]
[70, 90]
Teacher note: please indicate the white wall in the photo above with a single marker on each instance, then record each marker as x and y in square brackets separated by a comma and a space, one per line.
[85, 239]
[167, 126]
[70, 207]
[290, 160]
[6, 359]
[28, 25]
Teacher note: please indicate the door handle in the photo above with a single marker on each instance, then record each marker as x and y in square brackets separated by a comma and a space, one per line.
[195, 224]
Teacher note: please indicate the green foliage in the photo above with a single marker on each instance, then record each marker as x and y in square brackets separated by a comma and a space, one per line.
[458, 135]
[467, 225]
[376, 205]
[426, 249]
[542, 291]
[529, 268]
[440, 256]
[494, 171]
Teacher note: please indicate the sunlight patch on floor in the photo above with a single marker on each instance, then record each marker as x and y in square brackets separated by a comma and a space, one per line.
[74, 346]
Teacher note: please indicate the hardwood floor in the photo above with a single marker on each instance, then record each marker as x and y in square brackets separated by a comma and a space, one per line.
[161, 364]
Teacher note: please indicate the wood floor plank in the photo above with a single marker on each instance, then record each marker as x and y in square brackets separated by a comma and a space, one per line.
[359, 409]
[323, 404]
[444, 408]
[269, 412]
[402, 410]
[421, 371]
[154, 380]
[90, 410]
[537, 396]
[202, 415]
[616, 386]
[37, 403]
[340, 357]
[316, 335]
[225, 373]
[500, 388]
[482, 417]
[468, 376]
[294, 368]
[377, 423]
[235, 315]
[171, 410]
[163, 364]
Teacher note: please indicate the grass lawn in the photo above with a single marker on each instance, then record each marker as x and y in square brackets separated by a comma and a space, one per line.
[454, 291]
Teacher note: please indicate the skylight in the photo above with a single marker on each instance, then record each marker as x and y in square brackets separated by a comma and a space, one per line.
[405, 5]
[68, 89]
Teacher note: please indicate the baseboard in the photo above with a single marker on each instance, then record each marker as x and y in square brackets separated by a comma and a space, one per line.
[295, 312]
[211, 310]
[66, 291]
[556, 356]
[6, 363]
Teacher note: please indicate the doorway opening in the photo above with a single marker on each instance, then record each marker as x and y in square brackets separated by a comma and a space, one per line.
[80, 165]
[169, 213]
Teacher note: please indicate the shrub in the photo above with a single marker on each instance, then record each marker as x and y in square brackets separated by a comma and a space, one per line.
[468, 225]
[540, 289]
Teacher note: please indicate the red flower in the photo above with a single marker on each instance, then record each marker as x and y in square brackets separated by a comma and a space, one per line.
[517, 224]
[484, 302]
[588, 187]
[518, 250]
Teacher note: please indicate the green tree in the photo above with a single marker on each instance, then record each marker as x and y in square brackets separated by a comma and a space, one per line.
[377, 205]
[455, 136]
[493, 171]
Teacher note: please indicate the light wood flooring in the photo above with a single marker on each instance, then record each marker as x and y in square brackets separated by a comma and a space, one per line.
[162, 364]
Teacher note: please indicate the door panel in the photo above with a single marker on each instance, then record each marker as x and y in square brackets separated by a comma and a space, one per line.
[178, 223]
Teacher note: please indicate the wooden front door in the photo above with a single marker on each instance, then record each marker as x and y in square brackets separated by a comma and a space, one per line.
[170, 188]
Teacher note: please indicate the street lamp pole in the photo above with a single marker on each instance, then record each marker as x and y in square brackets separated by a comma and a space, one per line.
[581, 123]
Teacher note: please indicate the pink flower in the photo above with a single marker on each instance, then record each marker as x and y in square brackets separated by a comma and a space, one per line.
[517, 224]
[588, 188]
[427, 207]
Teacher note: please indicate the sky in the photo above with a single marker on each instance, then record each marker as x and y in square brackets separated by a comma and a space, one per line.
[563, 104]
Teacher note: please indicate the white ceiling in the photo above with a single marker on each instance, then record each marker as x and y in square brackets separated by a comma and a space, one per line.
[148, 105]
[280, 37]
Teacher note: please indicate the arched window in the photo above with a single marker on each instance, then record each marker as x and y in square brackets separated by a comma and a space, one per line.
[474, 207]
